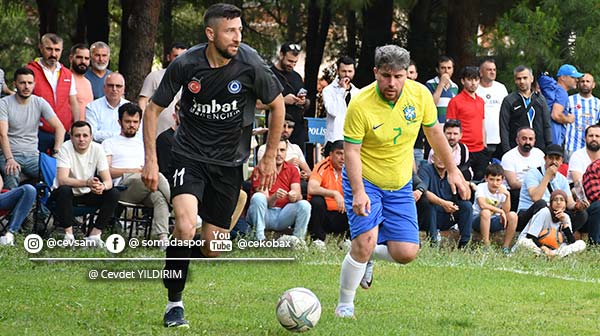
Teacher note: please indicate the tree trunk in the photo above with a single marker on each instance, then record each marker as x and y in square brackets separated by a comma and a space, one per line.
[461, 33]
[80, 25]
[166, 21]
[351, 33]
[377, 31]
[420, 40]
[138, 32]
[319, 20]
[96, 18]
[48, 11]
[293, 24]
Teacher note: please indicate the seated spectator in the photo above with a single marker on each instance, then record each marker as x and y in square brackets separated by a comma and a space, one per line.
[326, 196]
[282, 206]
[125, 156]
[77, 163]
[539, 183]
[294, 154]
[445, 208]
[549, 232]
[491, 209]
[592, 192]
[19, 202]
[423, 206]
[519, 160]
[20, 117]
[583, 157]
[460, 152]
[103, 113]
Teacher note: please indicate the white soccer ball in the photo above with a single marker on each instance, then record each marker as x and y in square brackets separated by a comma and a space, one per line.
[298, 309]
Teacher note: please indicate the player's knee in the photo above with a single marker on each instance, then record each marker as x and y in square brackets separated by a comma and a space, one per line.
[405, 255]
[207, 252]
[361, 250]
[485, 214]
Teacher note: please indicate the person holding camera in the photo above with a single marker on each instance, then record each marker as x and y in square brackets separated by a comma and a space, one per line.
[336, 97]
[294, 93]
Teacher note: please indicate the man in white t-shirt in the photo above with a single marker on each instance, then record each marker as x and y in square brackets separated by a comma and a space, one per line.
[77, 163]
[517, 161]
[151, 84]
[493, 93]
[294, 154]
[125, 156]
[581, 158]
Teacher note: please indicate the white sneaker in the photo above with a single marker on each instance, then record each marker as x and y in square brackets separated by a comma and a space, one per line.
[164, 243]
[344, 312]
[94, 241]
[319, 245]
[7, 241]
[69, 237]
[564, 250]
[345, 245]
[294, 242]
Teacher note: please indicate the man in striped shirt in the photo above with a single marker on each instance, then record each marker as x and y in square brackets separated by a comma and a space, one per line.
[586, 110]
[442, 87]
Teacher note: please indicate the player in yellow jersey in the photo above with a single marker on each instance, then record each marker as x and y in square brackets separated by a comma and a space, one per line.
[381, 126]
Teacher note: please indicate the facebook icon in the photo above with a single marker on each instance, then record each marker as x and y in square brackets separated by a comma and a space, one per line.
[115, 243]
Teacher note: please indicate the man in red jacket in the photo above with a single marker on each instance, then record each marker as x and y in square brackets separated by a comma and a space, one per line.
[54, 83]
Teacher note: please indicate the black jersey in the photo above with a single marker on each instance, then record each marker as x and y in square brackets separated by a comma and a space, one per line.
[217, 104]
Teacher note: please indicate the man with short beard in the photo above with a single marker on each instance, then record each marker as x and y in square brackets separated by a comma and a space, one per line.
[295, 100]
[517, 161]
[586, 110]
[54, 83]
[583, 157]
[97, 73]
[79, 58]
[539, 183]
[20, 117]
[524, 107]
[125, 156]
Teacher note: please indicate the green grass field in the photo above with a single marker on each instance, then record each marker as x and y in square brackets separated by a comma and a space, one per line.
[443, 292]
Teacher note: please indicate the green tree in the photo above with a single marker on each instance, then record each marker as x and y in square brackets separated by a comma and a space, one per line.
[16, 25]
[546, 34]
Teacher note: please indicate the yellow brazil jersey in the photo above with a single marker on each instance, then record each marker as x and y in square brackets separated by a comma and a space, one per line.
[387, 131]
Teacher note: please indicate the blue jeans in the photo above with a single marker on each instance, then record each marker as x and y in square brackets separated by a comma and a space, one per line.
[463, 217]
[29, 167]
[593, 222]
[264, 218]
[19, 201]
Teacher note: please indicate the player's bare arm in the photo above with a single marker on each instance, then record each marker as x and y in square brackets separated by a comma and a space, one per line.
[150, 170]
[360, 201]
[266, 166]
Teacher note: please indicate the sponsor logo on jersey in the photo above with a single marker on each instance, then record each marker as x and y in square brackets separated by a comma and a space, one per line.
[234, 86]
[216, 111]
[194, 87]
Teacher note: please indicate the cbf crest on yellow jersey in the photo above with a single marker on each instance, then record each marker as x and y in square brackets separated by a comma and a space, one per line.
[387, 131]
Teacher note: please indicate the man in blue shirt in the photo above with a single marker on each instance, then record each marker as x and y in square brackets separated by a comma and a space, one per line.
[539, 183]
[448, 209]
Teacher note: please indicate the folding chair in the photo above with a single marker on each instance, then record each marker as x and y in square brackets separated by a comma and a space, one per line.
[48, 174]
[136, 216]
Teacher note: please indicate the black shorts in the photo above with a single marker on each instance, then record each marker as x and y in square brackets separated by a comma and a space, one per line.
[217, 188]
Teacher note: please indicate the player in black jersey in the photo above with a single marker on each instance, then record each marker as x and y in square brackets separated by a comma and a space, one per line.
[220, 83]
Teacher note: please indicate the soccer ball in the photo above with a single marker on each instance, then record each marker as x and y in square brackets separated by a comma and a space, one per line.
[298, 309]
